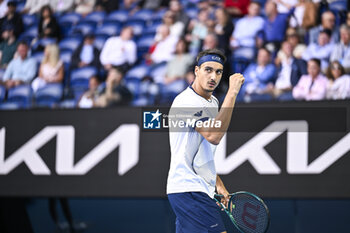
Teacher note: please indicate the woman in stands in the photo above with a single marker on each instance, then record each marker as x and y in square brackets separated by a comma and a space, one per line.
[48, 26]
[51, 68]
[339, 82]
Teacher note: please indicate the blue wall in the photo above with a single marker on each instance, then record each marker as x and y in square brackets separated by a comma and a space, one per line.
[156, 216]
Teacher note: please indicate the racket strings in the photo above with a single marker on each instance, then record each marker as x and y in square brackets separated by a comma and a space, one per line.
[250, 214]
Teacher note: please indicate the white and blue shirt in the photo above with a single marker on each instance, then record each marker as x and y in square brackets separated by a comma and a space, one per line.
[192, 167]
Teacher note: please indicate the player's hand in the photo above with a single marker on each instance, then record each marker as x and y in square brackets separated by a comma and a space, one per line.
[236, 81]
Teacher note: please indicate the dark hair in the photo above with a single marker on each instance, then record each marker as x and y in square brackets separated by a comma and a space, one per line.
[316, 60]
[182, 39]
[327, 32]
[211, 51]
[329, 69]
[22, 42]
[46, 7]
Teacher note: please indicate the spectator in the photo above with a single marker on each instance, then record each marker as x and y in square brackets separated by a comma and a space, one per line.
[294, 39]
[275, 26]
[34, 6]
[327, 22]
[246, 29]
[312, 86]
[339, 82]
[283, 6]
[60, 6]
[151, 4]
[180, 15]
[12, 18]
[210, 42]
[3, 8]
[237, 8]
[176, 28]
[348, 18]
[320, 50]
[119, 51]
[300, 19]
[115, 93]
[126, 5]
[290, 69]
[84, 7]
[341, 50]
[199, 31]
[21, 69]
[223, 30]
[178, 66]
[51, 68]
[7, 47]
[108, 5]
[48, 26]
[86, 54]
[88, 99]
[258, 75]
[164, 47]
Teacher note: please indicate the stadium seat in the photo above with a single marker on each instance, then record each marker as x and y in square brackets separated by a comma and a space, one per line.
[95, 17]
[49, 95]
[43, 42]
[66, 56]
[100, 41]
[29, 20]
[138, 72]
[144, 15]
[158, 71]
[143, 45]
[20, 95]
[138, 26]
[152, 29]
[79, 80]
[38, 56]
[29, 34]
[69, 18]
[10, 106]
[107, 29]
[120, 16]
[84, 28]
[2, 93]
[70, 43]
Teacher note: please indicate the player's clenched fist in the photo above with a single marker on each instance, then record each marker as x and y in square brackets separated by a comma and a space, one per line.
[236, 81]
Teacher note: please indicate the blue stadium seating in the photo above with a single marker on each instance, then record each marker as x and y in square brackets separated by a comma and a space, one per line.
[69, 18]
[10, 106]
[192, 12]
[79, 80]
[120, 16]
[138, 25]
[100, 41]
[84, 28]
[143, 45]
[29, 20]
[138, 72]
[2, 93]
[20, 95]
[43, 42]
[107, 29]
[49, 95]
[66, 56]
[144, 15]
[38, 56]
[29, 34]
[70, 43]
[95, 17]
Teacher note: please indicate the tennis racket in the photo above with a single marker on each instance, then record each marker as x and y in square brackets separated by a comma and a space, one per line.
[247, 212]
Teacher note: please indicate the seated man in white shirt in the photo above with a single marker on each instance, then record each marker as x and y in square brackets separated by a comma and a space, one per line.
[246, 29]
[119, 51]
[164, 46]
[21, 70]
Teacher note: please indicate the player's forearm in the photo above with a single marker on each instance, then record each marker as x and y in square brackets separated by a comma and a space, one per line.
[215, 134]
[220, 187]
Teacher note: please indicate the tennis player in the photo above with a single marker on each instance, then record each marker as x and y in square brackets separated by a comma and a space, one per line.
[192, 179]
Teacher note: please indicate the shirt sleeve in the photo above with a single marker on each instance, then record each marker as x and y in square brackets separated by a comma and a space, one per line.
[9, 71]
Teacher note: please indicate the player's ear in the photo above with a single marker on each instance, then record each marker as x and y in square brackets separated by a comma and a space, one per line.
[196, 69]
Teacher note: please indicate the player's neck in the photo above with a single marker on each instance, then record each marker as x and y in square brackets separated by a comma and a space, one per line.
[200, 91]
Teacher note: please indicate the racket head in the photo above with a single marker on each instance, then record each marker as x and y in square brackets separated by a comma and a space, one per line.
[249, 212]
